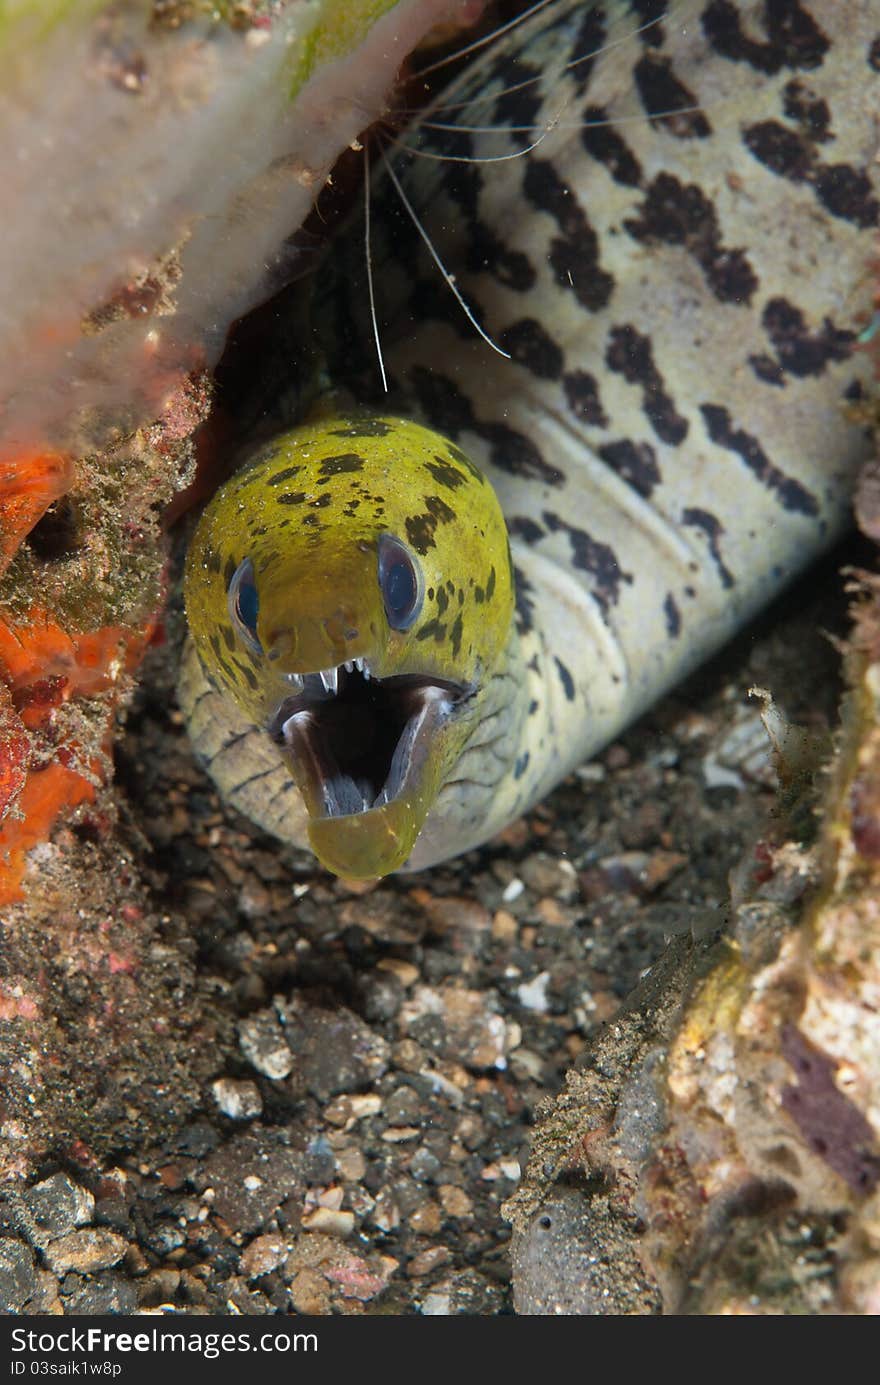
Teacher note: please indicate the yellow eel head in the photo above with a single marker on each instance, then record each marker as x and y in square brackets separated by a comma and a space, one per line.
[351, 589]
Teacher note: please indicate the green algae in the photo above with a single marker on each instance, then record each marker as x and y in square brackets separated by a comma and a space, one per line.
[338, 31]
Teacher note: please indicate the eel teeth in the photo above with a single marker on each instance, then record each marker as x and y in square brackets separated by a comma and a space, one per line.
[294, 679]
[361, 666]
[329, 679]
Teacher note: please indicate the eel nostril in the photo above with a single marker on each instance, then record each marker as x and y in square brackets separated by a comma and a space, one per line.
[339, 628]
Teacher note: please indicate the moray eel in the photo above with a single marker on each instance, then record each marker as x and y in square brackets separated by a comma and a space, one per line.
[677, 267]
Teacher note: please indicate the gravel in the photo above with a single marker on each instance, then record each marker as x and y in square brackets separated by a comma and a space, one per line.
[340, 1082]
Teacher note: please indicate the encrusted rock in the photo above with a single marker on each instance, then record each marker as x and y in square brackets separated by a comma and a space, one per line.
[18, 1274]
[86, 1252]
[58, 1204]
[264, 1254]
[239, 1100]
[467, 1292]
[459, 1023]
[262, 1041]
[333, 1051]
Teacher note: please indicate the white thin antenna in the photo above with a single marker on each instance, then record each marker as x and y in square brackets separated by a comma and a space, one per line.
[527, 81]
[450, 279]
[555, 123]
[369, 254]
[412, 149]
[487, 38]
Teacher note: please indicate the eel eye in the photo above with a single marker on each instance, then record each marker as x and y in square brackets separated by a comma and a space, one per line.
[244, 604]
[400, 582]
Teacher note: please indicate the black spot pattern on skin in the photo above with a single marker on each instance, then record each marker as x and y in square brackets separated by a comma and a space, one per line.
[650, 12]
[444, 474]
[801, 352]
[227, 670]
[228, 638]
[525, 606]
[213, 561]
[490, 585]
[521, 765]
[785, 152]
[368, 428]
[677, 214]
[444, 405]
[462, 182]
[248, 675]
[603, 143]
[673, 617]
[322, 501]
[713, 529]
[464, 460]
[433, 630]
[531, 346]
[515, 453]
[442, 601]
[591, 556]
[337, 466]
[229, 570]
[768, 370]
[291, 498]
[450, 411]
[565, 678]
[847, 193]
[790, 493]
[808, 110]
[420, 532]
[420, 529]
[284, 475]
[438, 508]
[582, 392]
[525, 528]
[634, 462]
[844, 191]
[455, 635]
[520, 101]
[629, 354]
[575, 255]
[794, 39]
[665, 97]
[486, 252]
[590, 37]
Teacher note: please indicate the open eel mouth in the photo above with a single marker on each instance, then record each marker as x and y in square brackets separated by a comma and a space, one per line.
[364, 753]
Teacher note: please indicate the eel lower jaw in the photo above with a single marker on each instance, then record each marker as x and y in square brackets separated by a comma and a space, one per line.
[367, 755]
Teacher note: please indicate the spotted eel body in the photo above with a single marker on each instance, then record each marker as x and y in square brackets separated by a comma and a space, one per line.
[678, 270]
